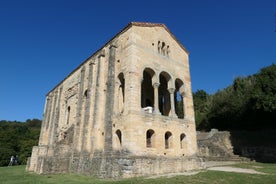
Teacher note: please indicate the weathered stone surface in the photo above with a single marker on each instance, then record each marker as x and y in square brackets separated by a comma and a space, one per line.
[237, 145]
[217, 146]
[95, 120]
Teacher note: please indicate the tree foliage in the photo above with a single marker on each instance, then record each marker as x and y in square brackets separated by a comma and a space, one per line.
[248, 104]
[18, 138]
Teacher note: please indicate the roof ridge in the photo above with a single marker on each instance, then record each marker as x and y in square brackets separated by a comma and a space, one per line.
[147, 24]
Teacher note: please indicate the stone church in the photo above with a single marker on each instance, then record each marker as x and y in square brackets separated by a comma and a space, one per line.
[126, 111]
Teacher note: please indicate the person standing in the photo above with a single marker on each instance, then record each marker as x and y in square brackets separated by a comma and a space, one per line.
[11, 161]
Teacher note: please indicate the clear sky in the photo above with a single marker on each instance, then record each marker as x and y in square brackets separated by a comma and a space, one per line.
[42, 41]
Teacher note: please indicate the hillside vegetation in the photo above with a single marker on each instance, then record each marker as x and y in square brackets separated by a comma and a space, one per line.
[18, 138]
[248, 104]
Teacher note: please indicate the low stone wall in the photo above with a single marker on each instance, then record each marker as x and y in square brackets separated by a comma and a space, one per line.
[126, 167]
[114, 165]
[225, 145]
[215, 145]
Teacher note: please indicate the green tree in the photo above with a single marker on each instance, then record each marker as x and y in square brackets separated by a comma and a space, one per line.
[249, 103]
[201, 107]
[18, 138]
[265, 91]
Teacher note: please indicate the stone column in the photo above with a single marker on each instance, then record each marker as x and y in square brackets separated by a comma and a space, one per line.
[110, 95]
[132, 82]
[98, 104]
[156, 99]
[183, 94]
[55, 122]
[171, 91]
[116, 99]
[88, 125]
[45, 122]
[79, 123]
[49, 110]
[52, 118]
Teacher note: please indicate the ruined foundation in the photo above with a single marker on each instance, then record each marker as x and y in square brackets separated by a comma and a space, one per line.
[117, 165]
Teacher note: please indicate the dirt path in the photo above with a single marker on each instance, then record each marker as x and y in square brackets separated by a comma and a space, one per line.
[234, 169]
[212, 168]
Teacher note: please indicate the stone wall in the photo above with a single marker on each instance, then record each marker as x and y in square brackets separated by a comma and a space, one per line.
[117, 165]
[215, 145]
[238, 145]
[255, 145]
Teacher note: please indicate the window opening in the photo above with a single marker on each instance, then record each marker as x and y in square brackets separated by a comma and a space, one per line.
[149, 138]
[68, 115]
[182, 138]
[178, 99]
[147, 91]
[119, 136]
[121, 92]
[164, 95]
[85, 93]
[168, 140]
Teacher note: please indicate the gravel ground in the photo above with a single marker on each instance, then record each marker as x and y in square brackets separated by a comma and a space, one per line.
[234, 169]
[213, 166]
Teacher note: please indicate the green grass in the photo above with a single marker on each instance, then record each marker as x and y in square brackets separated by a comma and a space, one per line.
[267, 168]
[17, 174]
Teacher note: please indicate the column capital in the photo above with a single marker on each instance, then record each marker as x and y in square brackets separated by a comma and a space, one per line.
[92, 62]
[113, 45]
[171, 90]
[156, 84]
[101, 53]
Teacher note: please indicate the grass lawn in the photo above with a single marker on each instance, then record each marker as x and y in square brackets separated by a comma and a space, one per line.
[18, 175]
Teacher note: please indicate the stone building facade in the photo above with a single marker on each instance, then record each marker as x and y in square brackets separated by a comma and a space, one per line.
[115, 115]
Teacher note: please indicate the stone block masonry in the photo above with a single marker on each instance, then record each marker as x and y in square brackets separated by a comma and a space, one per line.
[115, 115]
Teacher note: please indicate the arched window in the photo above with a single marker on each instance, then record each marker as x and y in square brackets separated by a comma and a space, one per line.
[68, 115]
[85, 94]
[121, 92]
[178, 99]
[163, 93]
[150, 138]
[147, 92]
[182, 139]
[119, 136]
[168, 140]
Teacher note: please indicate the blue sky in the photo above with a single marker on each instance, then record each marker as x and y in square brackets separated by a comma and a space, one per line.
[42, 41]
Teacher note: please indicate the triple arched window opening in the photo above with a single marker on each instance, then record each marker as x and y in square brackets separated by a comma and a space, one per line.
[168, 139]
[165, 97]
[151, 139]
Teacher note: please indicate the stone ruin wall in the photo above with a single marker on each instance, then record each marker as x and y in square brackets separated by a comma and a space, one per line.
[215, 145]
[236, 146]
